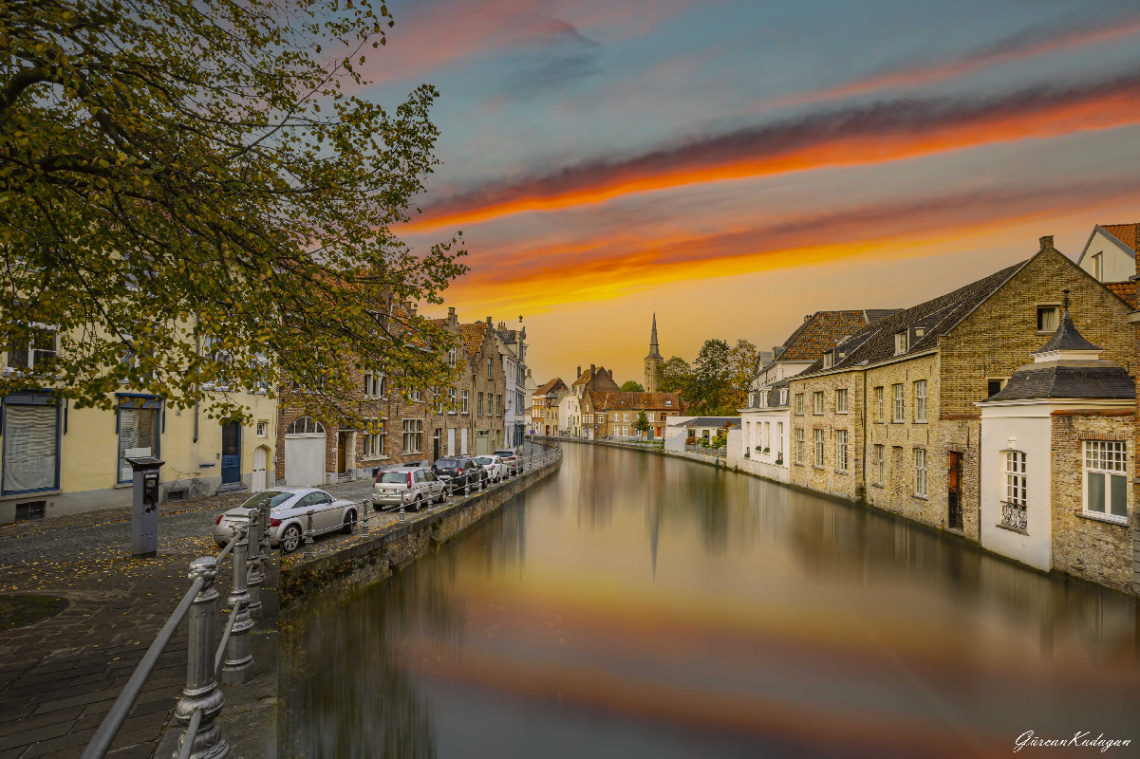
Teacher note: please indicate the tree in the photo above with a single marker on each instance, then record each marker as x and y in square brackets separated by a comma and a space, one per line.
[193, 197]
[742, 360]
[675, 376]
[642, 423]
[711, 373]
[632, 386]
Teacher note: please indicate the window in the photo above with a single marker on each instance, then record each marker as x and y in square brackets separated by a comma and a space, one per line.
[993, 387]
[1106, 479]
[413, 432]
[920, 471]
[499, 404]
[880, 405]
[799, 445]
[479, 404]
[374, 435]
[841, 450]
[879, 464]
[371, 385]
[306, 425]
[626, 419]
[451, 357]
[31, 443]
[649, 416]
[36, 347]
[841, 401]
[901, 343]
[1047, 318]
[451, 399]
[262, 429]
[466, 408]
[817, 402]
[920, 401]
[490, 369]
[415, 396]
[1014, 505]
[800, 404]
[828, 359]
[138, 431]
[1098, 267]
[818, 433]
[899, 411]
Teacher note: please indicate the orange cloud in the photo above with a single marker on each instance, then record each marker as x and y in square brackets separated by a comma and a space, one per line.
[890, 131]
[603, 267]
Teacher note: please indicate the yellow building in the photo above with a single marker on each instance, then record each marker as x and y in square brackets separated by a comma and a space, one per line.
[59, 460]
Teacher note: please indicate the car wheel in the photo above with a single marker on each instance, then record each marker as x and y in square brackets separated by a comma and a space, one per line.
[290, 539]
[349, 522]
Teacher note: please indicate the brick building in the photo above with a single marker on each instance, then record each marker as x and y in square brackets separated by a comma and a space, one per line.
[890, 415]
[1055, 459]
[571, 405]
[614, 414]
[544, 407]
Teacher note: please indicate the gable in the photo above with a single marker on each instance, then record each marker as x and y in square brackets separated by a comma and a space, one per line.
[1117, 257]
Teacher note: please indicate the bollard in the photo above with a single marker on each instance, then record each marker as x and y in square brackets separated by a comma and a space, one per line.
[256, 574]
[366, 507]
[401, 511]
[309, 528]
[239, 660]
[201, 692]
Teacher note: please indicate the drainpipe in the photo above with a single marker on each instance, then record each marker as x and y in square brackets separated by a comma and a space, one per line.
[863, 463]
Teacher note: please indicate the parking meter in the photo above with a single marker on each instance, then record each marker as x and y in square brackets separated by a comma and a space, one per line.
[144, 506]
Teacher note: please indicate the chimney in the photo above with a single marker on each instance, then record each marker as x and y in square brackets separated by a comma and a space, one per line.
[490, 323]
[407, 306]
[579, 374]
[1046, 242]
[592, 371]
[807, 318]
[452, 319]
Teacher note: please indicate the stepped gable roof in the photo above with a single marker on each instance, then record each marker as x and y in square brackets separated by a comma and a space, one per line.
[824, 328]
[937, 316]
[549, 386]
[473, 335]
[617, 401]
[602, 380]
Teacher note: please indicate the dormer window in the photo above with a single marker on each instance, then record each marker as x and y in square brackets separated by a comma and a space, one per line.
[902, 344]
[918, 333]
[828, 360]
[1048, 317]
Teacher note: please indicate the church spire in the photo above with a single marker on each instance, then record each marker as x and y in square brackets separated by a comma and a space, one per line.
[653, 350]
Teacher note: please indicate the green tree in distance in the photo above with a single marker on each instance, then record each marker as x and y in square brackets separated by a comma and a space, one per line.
[718, 381]
[632, 386]
[193, 197]
[642, 423]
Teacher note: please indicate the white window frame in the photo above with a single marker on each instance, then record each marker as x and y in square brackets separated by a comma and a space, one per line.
[799, 404]
[800, 444]
[841, 401]
[898, 406]
[880, 461]
[1108, 458]
[880, 404]
[30, 352]
[841, 450]
[901, 343]
[920, 473]
[262, 429]
[817, 448]
[413, 435]
[465, 396]
[1098, 266]
[817, 403]
[1049, 327]
[374, 438]
[920, 401]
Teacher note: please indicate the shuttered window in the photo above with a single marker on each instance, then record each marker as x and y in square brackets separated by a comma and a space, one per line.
[31, 447]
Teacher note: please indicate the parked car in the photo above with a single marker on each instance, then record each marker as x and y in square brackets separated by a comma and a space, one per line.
[410, 487]
[511, 458]
[496, 469]
[288, 516]
[460, 472]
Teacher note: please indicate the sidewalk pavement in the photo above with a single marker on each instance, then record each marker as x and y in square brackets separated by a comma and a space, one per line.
[59, 676]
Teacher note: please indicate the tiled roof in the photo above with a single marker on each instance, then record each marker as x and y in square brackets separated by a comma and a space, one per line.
[551, 385]
[936, 317]
[708, 421]
[824, 329]
[1075, 379]
[647, 401]
[1125, 290]
[1067, 338]
[473, 335]
[602, 379]
[1126, 233]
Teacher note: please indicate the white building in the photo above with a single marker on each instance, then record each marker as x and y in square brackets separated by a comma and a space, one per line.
[1110, 253]
[516, 413]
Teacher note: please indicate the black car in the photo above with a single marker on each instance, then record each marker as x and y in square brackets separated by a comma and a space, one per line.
[461, 472]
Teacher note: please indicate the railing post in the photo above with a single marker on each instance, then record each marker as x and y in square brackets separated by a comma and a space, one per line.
[201, 692]
[366, 507]
[309, 528]
[239, 660]
[256, 560]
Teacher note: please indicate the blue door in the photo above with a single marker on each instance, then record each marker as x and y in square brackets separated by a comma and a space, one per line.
[231, 452]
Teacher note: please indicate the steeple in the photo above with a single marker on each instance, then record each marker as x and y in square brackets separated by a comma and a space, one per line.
[653, 350]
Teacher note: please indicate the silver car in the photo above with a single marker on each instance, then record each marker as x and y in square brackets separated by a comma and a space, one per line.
[410, 487]
[496, 469]
[288, 516]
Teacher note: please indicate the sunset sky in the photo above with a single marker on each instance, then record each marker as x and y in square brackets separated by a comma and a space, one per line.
[738, 165]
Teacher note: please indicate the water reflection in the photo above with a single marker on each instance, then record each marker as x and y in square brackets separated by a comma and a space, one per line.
[641, 606]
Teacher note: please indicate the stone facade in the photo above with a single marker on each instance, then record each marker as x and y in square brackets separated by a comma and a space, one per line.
[1083, 546]
[829, 421]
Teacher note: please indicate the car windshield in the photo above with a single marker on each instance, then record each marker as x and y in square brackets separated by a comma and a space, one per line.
[275, 498]
[447, 463]
[397, 477]
[484, 460]
[504, 453]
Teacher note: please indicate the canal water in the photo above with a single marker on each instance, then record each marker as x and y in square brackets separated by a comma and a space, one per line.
[640, 606]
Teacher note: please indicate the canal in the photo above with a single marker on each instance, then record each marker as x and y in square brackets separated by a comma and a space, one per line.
[635, 605]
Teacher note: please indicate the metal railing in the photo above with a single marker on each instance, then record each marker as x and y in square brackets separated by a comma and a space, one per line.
[202, 700]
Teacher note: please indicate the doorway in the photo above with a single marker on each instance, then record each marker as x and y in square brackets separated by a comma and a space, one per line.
[955, 491]
[258, 481]
[343, 440]
[231, 452]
